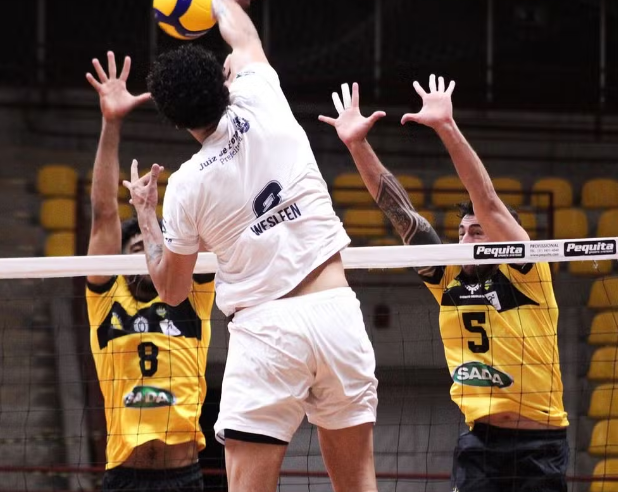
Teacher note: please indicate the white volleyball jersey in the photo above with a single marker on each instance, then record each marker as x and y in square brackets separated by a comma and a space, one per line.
[254, 196]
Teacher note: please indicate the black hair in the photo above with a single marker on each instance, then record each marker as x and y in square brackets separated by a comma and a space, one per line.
[467, 208]
[188, 87]
[130, 228]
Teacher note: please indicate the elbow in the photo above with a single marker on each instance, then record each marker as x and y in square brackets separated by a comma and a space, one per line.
[170, 298]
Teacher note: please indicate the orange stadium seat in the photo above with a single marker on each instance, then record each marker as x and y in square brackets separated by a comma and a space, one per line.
[600, 193]
[60, 244]
[123, 193]
[450, 225]
[364, 222]
[608, 224]
[561, 191]
[56, 180]
[415, 188]
[58, 214]
[349, 189]
[570, 223]
[510, 191]
[604, 364]
[448, 191]
[429, 215]
[604, 440]
[604, 402]
[604, 329]
[125, 211]
[590, 268]
[604, 294]
[605, 468]
[529, 223]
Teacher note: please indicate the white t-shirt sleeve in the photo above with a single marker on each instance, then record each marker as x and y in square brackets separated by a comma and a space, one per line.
[180, 233]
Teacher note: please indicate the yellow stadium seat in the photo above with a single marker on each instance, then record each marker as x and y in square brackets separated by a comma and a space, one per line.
[604, 440]
[349, 189]
[447, 191]
[385, 241]
[604, 402]
[164, 176]
[608, 224]
[590, 268]
[604, 364]
[604, 294]
[570, 223]
[561, 191]
[600, 193]
[60, 244]
[429, 215]
[528, 222]
[604, 329]
[510, 191]
[125, 211]
[58, 214]
[57, 181]
[415, 188]
[160, 210]
[450, 225]
[605, 469]
[123, 193]
[364, 223]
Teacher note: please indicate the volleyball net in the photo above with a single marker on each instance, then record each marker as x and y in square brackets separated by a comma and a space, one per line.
[52, 416]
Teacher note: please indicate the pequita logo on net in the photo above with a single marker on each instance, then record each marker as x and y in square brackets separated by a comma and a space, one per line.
[479, 374]
[590, 248]
[499, 252]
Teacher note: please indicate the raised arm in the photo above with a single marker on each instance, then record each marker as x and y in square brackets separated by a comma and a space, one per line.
[352, 128]
[490, 211]
[239, 33]
[116, 102]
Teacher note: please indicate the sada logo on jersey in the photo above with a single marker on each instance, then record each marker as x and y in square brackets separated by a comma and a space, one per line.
[149, 397]
[501, 252]
[590, 248]
[479, 374]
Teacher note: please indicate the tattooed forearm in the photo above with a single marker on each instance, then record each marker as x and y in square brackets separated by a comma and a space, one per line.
[393, 199]
[154, 253]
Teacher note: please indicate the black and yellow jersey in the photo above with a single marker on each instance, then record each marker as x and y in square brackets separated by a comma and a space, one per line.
[151, 361]
[500, 341]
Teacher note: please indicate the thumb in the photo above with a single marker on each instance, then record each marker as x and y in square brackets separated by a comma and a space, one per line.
[410, 117]
[142, 98]
[378, 115]
[327, 120]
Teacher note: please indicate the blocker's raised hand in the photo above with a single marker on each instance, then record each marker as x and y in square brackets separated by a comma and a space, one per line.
[437, 105]
[144, 190]
[116, 101]
[351, 125]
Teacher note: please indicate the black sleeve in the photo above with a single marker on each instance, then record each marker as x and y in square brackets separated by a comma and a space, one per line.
[203, 278]
[101, 288]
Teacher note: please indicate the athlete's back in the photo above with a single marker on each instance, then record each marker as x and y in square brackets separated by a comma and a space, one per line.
[255, 172]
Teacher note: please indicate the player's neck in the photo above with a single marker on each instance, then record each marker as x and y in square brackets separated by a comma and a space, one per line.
[201, 134]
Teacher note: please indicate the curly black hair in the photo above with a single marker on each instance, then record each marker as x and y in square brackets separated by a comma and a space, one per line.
[130, 228]
[188, 87]
[467, 208]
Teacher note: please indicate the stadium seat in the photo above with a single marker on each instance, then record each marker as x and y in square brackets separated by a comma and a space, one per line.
[604, 402]
[604, 294]
[604, 329]
[123, 193]
[510, 191]
[570, 223]
[529, 223]
[605, 468]
[448, 191]
[60, 244]
[450, 225]
[604, 364]
[160, 210]
[364, 222]
[349, 189]
[604, 440]
[57, 181]
[58, 214]
[125, 211]
[590, 268]
[429, 215]
[608, 224]
[415, 188]
[561, 191]
[600, 193]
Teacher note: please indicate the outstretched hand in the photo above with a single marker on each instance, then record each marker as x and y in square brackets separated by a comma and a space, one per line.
[116, 101]
[352, 127]
[144, 190]
[437, 105]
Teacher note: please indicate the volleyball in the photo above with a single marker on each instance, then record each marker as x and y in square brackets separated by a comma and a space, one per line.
[184, 19]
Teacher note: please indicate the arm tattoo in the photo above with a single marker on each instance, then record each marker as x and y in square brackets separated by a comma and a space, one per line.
[394, 202]
[154, 253]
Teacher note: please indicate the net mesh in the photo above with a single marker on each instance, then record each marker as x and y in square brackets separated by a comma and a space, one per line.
[52, 418]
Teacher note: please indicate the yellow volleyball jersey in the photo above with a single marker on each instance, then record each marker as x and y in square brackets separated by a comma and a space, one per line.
[151, 361]
[500, 341]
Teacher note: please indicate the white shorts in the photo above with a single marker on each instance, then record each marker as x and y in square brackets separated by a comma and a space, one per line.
[297, 356]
